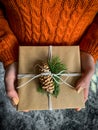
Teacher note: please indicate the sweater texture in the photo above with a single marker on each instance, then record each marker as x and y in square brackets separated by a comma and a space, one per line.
[47, 22]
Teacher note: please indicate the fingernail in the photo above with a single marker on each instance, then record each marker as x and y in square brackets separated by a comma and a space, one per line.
[80, 89]
[15, 101]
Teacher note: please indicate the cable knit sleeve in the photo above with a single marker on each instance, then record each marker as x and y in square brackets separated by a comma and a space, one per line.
[89, 42]
[8, 43]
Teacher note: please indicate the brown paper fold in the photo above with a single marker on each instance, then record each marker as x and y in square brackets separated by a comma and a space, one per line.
[30, 98]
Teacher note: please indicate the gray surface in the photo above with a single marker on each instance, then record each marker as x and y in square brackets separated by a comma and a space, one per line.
[86, 119]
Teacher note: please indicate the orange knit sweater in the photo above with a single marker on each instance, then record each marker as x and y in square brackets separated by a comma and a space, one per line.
[45, 22]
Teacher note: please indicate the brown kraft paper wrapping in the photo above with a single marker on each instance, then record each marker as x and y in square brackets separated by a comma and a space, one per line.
[30, 98]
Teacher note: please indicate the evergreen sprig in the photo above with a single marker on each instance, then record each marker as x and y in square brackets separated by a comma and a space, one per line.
[55, 66]
[41, 90]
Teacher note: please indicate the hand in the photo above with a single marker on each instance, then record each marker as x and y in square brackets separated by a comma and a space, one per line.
[10, 81]
[88, 68]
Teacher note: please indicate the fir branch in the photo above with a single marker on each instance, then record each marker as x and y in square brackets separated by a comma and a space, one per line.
[55, 66]
[40, 89]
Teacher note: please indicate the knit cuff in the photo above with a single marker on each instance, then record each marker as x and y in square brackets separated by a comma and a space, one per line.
[89, 42]
[9, 50]
[92, 50]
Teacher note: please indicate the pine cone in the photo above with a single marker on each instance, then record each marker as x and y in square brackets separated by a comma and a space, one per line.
[46, 80]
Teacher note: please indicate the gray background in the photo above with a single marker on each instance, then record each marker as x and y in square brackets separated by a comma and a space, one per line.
[69, 119]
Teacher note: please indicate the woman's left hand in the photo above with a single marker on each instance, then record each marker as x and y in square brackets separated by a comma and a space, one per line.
[88, 68]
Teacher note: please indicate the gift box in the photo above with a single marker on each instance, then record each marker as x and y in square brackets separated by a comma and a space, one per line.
[29, 97]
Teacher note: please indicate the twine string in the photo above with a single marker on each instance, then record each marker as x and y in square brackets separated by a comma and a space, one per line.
[59, 75]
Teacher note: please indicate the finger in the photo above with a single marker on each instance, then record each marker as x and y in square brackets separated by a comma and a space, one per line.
[10, 88]
[13, 96]
[11, 92]
[80, 89]
[78, 109]
[86, 91]
[79, 84]
[25, 110]
[14, 101]
[9, 83]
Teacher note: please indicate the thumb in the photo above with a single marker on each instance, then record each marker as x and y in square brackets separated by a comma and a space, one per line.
[80, 85]
[83, 84]
[12, 94]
